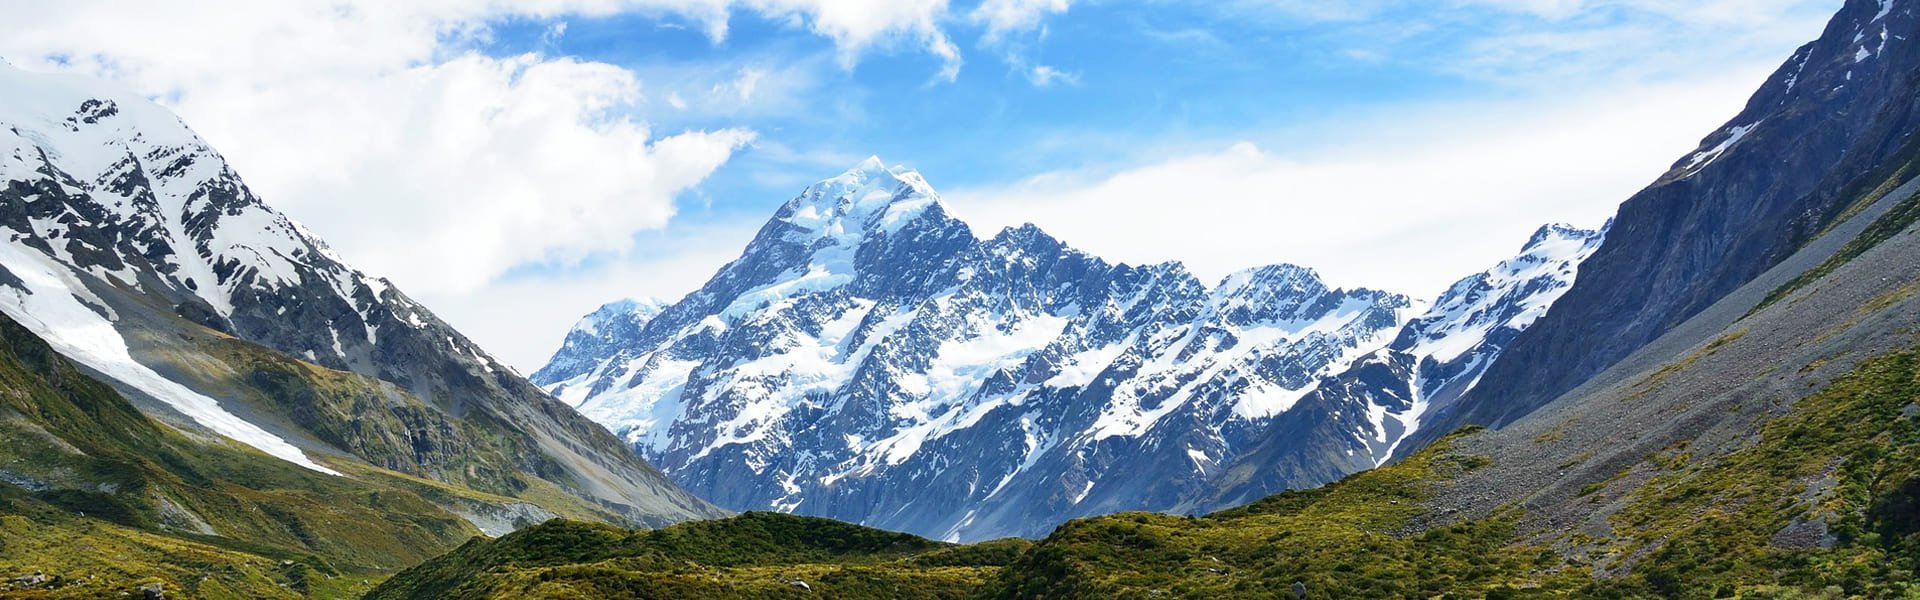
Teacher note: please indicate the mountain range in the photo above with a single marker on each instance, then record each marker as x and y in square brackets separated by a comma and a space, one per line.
[868, 358]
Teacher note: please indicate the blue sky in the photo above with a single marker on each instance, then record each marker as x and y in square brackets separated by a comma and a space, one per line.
[1135, 81]
[516, 164]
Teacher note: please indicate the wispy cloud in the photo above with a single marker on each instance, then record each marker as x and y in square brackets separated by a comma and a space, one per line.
[1002, 17]
[1544, 43]
[1046, 76]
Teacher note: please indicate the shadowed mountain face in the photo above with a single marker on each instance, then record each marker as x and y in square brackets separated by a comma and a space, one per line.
[868, 359]
[134, 250]
[1827, 128]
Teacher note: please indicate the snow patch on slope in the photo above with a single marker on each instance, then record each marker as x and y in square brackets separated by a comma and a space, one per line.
[55, 306]
[1702, 159]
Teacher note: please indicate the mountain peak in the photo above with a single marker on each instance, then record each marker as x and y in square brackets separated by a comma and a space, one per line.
[1025, 235]
[641, 309]
[1556, 231]
[871, 198]
[1276, 276]
[871, 164]
[873, 172]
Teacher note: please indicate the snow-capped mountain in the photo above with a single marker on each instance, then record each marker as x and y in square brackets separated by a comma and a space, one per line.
[125, 233]
[1360, 418]
[867, 358]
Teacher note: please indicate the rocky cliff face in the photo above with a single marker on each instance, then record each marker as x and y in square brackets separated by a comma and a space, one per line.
[1829, 126]
[134, 249]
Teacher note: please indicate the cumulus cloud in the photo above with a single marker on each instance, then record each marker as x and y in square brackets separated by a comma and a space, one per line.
[480, 165]
[1379, 199]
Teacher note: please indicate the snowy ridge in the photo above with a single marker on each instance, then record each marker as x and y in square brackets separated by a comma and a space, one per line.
[868, 358]
[1733, 136]
[1511, 295]
[62, 122]
[1469, 325]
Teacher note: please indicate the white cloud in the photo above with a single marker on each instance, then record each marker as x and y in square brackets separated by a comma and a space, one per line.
[446, 176]
[856, 25]
[524, 318]
[1407, 200]
[741, 87]
[1008, 16]
[1046, 76]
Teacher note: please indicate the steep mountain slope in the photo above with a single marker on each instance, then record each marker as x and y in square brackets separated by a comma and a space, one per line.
[1358, 419]
[134, 250]
[868, 359]
[1820, 136]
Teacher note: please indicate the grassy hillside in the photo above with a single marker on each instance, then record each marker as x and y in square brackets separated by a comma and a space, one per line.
[101, 499]
[755, 555]
[1825, 503]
